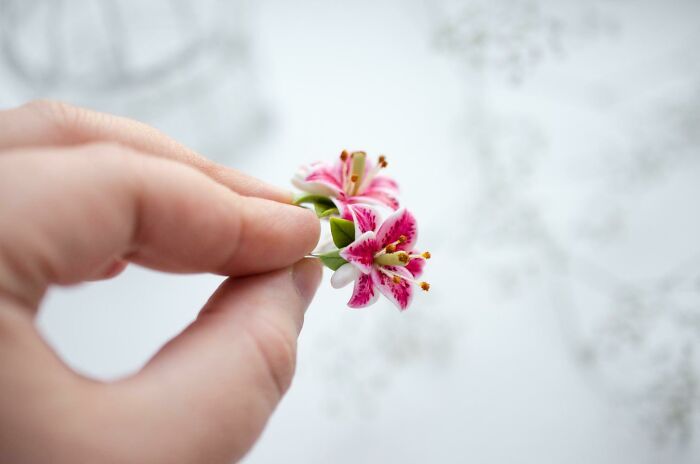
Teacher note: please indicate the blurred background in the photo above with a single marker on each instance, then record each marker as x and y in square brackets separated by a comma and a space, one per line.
[550, 149]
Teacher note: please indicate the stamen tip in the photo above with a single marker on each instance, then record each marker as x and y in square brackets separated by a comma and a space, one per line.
[426, 255]
[396, 279]
[425, 286]
[344, 155]
[403, 239]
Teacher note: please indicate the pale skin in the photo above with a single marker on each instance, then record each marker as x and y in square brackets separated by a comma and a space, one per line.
[82, 195]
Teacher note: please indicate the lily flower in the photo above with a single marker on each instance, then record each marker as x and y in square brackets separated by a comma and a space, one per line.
[382, 258]
[352, 179]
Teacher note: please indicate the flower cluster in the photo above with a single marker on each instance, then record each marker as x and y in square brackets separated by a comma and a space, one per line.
[379, 256]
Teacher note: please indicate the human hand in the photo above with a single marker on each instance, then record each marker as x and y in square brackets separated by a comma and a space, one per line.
[81, 195]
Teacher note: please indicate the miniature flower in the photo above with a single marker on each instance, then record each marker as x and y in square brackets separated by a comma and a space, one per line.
[353, 179]
[381, 258]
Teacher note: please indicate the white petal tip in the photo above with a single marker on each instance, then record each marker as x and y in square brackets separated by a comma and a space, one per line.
[344, 275]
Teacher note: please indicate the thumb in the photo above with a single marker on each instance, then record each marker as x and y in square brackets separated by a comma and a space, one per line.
[206, 395]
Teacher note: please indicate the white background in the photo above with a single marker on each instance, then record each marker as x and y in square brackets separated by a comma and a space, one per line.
[551, 151]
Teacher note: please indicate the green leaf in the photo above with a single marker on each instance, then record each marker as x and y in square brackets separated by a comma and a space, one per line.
[332, 259]
[323, 205]
[311, 198]
[327, 212]
[343, 232]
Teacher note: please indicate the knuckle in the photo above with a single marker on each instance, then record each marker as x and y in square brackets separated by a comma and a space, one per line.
[68, 119]
[57, 112]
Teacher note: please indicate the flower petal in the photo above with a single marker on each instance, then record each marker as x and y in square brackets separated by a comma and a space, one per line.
[416, 265]
[312, 187]
[401, 222]
[361, 252]
[400, 293]
[384, 183]
[344, 275]
[364, 293]
[377, 197]
[364, 217]
[324, 174]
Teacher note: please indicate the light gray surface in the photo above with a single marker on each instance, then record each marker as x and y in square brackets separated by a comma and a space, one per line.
[551, 152]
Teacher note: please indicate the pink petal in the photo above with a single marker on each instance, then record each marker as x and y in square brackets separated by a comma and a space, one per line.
[384, 183]
[364, 293]
[342, 204]
[326, 174]
[399, 223]
[400, 294]
[378, 197]
[311, 187]
[416, 265]
[361, 252]
[364, 217]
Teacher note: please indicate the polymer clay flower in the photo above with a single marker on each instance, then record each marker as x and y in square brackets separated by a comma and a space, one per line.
[380, 258]
[352, 179]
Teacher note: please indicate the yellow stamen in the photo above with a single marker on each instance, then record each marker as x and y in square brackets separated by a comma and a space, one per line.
[426, 255]
[403, 257]
[354, 178]
[344, 155]
[396, 279]
[425, 286]
[403, 239]
[367, 179]
[390, 248]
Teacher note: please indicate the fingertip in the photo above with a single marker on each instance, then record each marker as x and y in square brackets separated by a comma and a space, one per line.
[309, 228]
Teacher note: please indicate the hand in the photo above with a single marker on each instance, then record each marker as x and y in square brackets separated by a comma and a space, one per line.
[81, 195]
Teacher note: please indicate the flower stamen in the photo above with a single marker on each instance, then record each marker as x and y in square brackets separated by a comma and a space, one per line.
[399, 258]
[357, 170]
[425, 255]
[390, 248]
[381, 163]
[395, 278]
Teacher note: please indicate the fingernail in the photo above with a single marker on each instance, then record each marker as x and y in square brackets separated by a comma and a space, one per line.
[306, 275]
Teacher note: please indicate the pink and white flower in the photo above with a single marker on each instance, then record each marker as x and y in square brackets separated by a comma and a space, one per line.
[382, 258]
[352, 179]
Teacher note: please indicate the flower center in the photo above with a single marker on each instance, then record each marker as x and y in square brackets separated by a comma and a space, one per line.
[388, 256]
[399, 258]
[355, 181]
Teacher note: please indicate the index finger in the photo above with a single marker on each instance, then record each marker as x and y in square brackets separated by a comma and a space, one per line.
[65, 215]
[54, 123]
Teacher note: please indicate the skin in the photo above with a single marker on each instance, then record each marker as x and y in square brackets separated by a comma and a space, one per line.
[82, 194]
